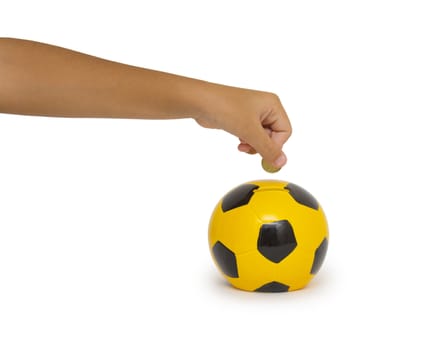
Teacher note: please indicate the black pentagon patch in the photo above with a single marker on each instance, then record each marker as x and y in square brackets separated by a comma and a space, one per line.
[276, 240]
[319, 256]
[302, 196]
[273, 287]
[238, 197]
[225, 259]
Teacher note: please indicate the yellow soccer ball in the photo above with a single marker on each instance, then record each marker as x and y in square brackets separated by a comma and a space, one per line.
[268, 236]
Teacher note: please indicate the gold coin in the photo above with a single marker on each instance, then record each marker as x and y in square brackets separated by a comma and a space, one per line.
[269, 168]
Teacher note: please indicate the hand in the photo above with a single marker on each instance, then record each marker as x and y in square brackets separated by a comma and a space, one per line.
[257, 118]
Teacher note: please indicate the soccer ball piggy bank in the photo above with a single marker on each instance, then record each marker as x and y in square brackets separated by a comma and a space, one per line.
[268, 236]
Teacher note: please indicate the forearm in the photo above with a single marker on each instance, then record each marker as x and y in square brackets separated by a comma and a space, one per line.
[40, 79]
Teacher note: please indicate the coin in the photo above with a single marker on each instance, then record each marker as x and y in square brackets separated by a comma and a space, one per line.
[269, 168]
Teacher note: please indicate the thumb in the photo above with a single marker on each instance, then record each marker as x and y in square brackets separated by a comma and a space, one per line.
[268, 144]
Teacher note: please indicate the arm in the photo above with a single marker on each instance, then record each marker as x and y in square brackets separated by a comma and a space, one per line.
[40, 79]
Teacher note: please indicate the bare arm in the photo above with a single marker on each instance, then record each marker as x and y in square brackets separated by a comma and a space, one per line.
[41, 79]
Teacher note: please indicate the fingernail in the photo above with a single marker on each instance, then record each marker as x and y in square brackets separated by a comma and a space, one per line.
[280, 161]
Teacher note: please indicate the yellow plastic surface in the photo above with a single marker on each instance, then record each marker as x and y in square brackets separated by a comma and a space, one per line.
[238, 229]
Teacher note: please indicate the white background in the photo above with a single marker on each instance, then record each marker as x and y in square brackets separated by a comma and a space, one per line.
[103, 223]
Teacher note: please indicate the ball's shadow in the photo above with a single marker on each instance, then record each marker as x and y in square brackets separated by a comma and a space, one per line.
[317, 285]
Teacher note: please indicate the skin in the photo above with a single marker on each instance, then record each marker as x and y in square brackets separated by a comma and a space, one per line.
[44, 80]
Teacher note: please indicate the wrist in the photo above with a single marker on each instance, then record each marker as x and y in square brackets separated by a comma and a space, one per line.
[211, 103]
